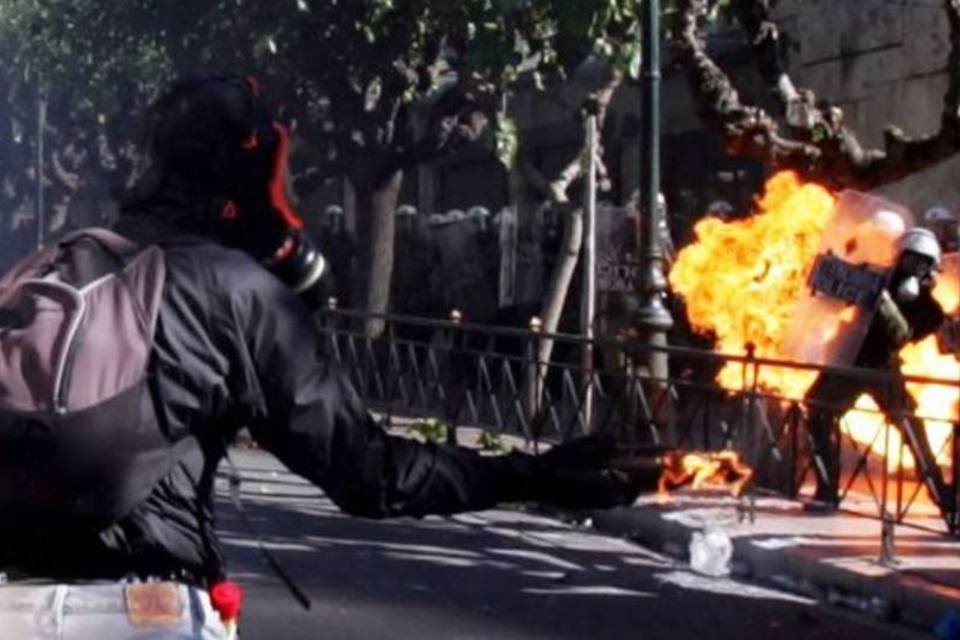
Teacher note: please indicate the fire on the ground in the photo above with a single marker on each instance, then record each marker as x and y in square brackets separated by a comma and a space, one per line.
[744, 281]
[721, 469]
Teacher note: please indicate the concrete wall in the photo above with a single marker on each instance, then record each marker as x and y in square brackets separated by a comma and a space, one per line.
[882, 62]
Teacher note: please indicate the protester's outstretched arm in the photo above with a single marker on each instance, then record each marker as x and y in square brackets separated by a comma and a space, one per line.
[306, 412]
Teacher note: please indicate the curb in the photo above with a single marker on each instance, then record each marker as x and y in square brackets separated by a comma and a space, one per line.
[896, 596]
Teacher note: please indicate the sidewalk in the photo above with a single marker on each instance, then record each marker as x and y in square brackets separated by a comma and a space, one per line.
[834, 558]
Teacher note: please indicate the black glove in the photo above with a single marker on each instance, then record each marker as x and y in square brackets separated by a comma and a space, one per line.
[591, 473]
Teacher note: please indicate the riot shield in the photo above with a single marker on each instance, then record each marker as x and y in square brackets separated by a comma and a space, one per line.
[854, 264]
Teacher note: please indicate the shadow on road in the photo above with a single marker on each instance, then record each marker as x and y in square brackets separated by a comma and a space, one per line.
[498, 574]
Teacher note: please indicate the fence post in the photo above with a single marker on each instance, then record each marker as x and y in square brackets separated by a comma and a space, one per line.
[954, 524]
[533, 381]
[888, 553]
[885, 475]
[329, 317]
[747, 422]
[796, 480]
[455, 387]
[326, 318]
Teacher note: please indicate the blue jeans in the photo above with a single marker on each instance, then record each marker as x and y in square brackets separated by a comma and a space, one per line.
[104, 611]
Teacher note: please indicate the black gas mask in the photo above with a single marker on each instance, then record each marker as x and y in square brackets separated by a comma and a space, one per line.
[915, 273]
[219, 135]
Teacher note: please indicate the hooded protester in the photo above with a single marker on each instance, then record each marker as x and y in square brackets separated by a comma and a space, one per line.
[159, 340]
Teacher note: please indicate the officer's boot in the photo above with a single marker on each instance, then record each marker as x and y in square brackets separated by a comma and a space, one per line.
[826, 461]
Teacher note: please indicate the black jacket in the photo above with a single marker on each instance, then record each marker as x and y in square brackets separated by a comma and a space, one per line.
[235, 347]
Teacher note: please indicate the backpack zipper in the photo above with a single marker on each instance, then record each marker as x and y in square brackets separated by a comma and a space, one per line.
[61, 377]
[65, 368]
[61, 385]
[59, 398]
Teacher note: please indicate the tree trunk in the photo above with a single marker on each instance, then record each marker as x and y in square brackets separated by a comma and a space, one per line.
[376, 227]
[561, 278]
[566, 263]
[553, 305]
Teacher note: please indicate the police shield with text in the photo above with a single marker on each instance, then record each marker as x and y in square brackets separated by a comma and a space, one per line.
[130, 357]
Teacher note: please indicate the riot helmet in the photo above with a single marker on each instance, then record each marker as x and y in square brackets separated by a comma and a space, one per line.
[945, 226]
[920, 257]
[720, 209]
[921, 242]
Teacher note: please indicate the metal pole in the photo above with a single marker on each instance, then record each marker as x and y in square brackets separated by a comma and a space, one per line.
[954, 524]
[41, 127]
[588, 293]
[654, 318]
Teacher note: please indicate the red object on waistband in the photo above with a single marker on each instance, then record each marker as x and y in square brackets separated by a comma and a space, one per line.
[229, 210]
[227, 598]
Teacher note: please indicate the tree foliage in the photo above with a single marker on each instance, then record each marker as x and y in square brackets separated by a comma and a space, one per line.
[346, 70]
[374, 86]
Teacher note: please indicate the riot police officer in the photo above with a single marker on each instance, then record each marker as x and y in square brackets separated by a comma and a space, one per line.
[907, 312]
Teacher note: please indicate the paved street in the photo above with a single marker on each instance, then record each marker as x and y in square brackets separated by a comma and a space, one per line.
[498, 574]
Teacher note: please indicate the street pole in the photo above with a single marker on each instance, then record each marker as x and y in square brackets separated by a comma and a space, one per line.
[654, 318]
[38, 169]
[588, 290]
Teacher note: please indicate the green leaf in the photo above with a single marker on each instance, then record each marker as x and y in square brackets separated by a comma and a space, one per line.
[493, 442]
[819, 133]
[635, 64]
[431, 430]
[120, 59]
[603, 48]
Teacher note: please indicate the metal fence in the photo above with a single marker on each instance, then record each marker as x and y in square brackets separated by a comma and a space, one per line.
[485, 377]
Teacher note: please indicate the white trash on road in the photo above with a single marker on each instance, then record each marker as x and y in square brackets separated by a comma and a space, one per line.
[711, 551]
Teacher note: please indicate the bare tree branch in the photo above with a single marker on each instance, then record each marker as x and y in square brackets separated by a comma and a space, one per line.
[556, 190]
[313, 176]
[460, 115]
[816, 143]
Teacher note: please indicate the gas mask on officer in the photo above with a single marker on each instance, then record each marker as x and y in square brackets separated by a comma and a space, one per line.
[920, 259]
[219, 135]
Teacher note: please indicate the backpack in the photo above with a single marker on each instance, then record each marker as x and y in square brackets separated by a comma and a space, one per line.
[80, 441]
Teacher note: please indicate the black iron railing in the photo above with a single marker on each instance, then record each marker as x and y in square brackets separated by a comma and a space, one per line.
[489, 377]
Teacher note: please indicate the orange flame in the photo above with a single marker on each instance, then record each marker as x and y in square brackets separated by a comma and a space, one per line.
[938, 404]
[742, 280]
[722, 469]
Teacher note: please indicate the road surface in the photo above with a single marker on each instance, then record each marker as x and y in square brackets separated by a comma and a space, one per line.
[501, 574]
